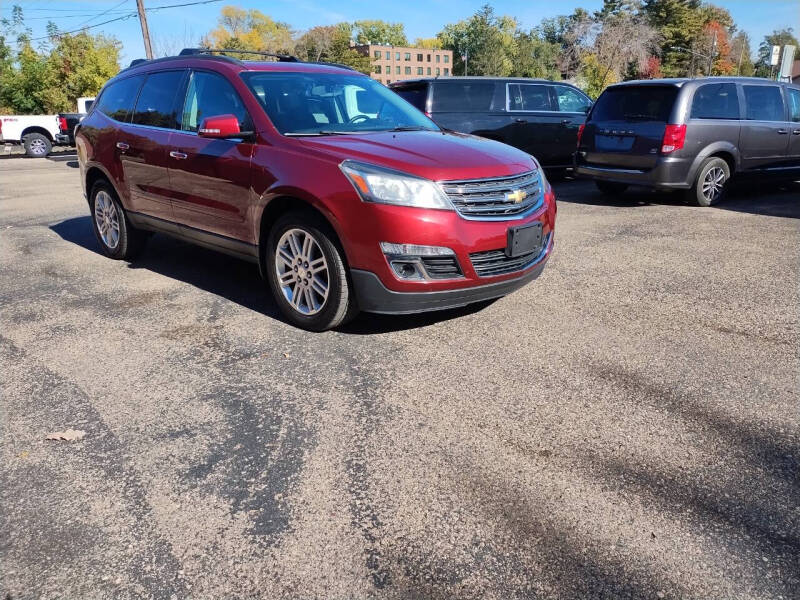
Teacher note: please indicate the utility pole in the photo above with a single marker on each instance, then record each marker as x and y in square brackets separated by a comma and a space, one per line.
[711, 54]
[466, 61]
[148, 50]
[741, 56]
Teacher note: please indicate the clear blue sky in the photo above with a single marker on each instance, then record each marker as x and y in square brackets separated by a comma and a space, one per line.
[175, 26]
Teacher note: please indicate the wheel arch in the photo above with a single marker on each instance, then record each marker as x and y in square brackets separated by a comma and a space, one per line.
[724, 150]
[95, 173]
[282, 204]
[36, 129]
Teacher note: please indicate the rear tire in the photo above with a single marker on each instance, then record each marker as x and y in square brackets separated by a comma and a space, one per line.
[115, 234]
[711, 184]
[611, 188]
[37, 145]
[306, 273]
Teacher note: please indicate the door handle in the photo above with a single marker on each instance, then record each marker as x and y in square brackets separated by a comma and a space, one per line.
[123, 146]
[178, 155]
[783, 131]
[565, 121]
[520, 121]
[796, 132]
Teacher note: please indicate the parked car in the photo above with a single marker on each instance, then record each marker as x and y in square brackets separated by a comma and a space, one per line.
[67, 122]
[346, 196]
[538, 116]
[39, 133]
[691, 134]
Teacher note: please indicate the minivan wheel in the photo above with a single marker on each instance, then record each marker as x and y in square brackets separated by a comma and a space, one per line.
[307, 274]
[36, 145]
[611, 188]
[711, 183]
[117, 237]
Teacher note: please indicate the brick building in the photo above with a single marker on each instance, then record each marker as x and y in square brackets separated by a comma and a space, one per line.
[395, 63]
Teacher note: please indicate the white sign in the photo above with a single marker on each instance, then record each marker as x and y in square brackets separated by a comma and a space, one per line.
[786, 63]
[776, 51]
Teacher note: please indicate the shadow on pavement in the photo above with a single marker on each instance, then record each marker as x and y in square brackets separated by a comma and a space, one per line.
[237, 280]
[768, 198]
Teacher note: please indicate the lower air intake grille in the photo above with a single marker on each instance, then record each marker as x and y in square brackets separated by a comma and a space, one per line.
[495, 262]
[441, 267]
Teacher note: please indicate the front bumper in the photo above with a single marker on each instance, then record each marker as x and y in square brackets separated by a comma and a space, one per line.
[373, 296]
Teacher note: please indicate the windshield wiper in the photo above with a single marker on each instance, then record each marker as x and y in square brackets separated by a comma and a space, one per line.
[313, 133]
[411, 128]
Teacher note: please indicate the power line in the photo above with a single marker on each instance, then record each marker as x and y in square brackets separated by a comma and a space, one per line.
[122, 18]
[102, 13]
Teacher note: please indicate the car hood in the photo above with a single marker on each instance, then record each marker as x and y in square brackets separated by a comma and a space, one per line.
[431, 154]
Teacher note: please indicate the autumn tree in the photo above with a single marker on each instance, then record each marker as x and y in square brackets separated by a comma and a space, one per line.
[315, 44]
[433, 43]
[740, 54]
[249, 30]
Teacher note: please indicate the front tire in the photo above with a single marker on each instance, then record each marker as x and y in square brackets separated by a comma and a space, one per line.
[117, 237]
[611, 188]
[37, 145]
[306, 273]
[710, 185]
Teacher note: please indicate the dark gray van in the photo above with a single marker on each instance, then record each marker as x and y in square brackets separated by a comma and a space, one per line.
[538, 116]
[690, 134]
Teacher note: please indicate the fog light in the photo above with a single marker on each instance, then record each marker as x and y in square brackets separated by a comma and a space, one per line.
[415, 250]
[406, 270]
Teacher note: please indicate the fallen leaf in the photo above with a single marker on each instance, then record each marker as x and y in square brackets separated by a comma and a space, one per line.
[69, 435]
[285, 355]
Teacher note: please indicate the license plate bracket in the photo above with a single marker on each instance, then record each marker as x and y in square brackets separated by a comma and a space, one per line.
[524, 239]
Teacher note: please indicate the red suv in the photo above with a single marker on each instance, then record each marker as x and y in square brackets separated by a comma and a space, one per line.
[346, 196]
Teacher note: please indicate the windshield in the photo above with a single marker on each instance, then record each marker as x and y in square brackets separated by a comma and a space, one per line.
[330, 104]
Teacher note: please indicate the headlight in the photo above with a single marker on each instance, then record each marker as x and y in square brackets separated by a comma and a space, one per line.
[376, 184]
[537, 167]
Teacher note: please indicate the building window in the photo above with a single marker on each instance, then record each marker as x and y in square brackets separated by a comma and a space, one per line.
[388, 55]
[438, 58]
[397, 70]
[446, 71]
[419, 70]
[378, 54]
[429, 58]
[397, 56]
[408, 70]
[446, 59]
[429, 70]
[377, 69]
[437, 71]
[408, 56]
[419, 57]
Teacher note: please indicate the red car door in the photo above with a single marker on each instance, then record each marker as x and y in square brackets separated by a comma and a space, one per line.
[210, 178]
[143, 144]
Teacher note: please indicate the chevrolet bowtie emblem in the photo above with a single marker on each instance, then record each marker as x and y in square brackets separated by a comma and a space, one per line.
[516, 196]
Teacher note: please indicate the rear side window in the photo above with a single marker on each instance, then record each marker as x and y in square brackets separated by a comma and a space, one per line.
[524, 96]
[416, 95]
[763, 102]
[118, 98]
[468, 96]
[570, 100]
[716, 101]
[157, 106]
[794, 104]
[635, 103]
[211, 95]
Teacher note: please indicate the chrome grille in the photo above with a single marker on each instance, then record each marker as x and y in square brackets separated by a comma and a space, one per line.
[493, 198]
[495, 262]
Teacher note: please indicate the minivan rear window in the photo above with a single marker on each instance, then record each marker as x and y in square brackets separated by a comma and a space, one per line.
[635, 103]
[467, 96]
[416, 95]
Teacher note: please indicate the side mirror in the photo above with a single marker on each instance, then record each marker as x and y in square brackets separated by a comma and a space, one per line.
[220, 127]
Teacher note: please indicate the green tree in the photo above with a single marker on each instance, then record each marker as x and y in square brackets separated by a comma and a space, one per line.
[488, 40]
[535, 57]
[433, 43]
[679, 22]
[249, 30]
[315, 44]
[372, 31]
[341, 50]
[740, 54]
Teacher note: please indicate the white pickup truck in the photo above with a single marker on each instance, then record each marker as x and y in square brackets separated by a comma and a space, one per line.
[38, 133]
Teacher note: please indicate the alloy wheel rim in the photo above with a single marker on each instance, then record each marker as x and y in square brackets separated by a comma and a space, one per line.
[38, 146]
[713, 183]
[302, 271]
[106, 218]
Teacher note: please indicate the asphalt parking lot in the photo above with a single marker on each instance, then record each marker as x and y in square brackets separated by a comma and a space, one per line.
[627, 426]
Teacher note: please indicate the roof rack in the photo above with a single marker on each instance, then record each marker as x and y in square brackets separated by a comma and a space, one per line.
[196, 51]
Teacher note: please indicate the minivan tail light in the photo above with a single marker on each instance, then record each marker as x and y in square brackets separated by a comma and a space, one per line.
[580, 133]
[674, 138]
